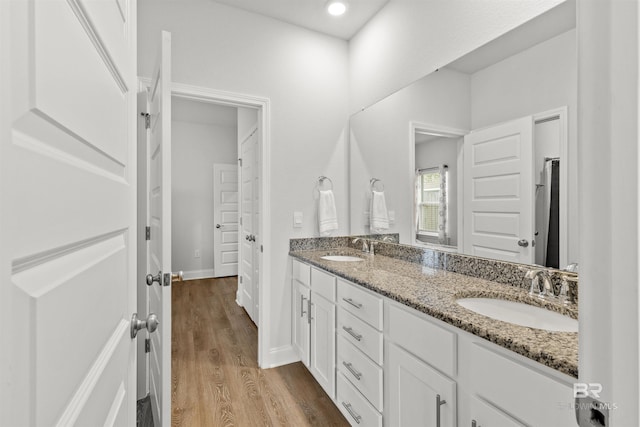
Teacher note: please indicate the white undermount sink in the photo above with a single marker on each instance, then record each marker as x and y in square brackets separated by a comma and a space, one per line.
[341, 258]
[520, 314]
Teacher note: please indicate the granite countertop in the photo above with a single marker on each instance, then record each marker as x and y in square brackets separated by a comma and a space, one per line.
[434, 292]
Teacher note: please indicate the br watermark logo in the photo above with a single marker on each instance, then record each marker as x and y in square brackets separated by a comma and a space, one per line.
[587, 390]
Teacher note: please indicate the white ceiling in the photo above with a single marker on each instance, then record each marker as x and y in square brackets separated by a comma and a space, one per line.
[312, 14]
[554, 22]
[185, 110]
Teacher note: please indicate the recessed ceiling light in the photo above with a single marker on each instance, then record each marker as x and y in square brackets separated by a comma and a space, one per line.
[336, 8]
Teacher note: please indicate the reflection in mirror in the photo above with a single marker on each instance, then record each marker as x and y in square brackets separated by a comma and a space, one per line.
[503, 120]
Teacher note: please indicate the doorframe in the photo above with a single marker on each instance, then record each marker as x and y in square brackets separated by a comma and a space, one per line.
[562, 113]
[263, 105]
[415, 126]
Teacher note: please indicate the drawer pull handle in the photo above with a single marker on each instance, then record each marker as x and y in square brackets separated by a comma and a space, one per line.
[351, 412]
[350, 368]
[352, 302]
[439, 403]
[350, 331]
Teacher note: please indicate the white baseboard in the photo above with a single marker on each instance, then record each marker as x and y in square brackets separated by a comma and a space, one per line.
[280, 356]
[198, 274]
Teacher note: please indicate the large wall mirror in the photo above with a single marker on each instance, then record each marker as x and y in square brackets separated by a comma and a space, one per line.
[480, 156]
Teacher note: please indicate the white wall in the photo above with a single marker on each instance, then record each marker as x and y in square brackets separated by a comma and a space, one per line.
[195, 147]
[443, 151]
[408, 39]
[538, 79]
[381, 146]
[304, 74]
[608, 84]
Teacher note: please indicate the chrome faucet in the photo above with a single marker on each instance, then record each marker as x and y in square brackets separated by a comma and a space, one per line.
[540, 283]
[365, 246]
[542, 286]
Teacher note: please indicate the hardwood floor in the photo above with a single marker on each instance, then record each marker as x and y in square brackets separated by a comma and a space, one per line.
[215, 377]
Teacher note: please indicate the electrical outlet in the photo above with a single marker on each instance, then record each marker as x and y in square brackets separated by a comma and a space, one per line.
[197, 253]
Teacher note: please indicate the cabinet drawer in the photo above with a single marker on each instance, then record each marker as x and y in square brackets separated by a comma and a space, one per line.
[301, 272]
[364, 337]
[323, 284]
[430, 342]
[354, 407]
[486, 415]
[513, 386]
[361, 303]
[363, 373]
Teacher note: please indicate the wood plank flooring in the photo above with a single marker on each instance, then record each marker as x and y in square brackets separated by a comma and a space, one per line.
[215, 377]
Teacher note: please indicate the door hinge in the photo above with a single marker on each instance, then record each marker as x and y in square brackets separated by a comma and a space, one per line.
[147, 120]
[240, 162]
[261, 249]
[147, 345]
[240, 279]
[147, 233]
[240, 220]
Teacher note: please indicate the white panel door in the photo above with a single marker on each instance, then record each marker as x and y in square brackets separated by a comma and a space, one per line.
[225, 218]
[160, 223]
[498, 192]
[67, 216]
[249, 235]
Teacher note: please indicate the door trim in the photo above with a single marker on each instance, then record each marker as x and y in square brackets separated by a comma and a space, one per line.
[562, 113]
[263, 105]
[414, 127]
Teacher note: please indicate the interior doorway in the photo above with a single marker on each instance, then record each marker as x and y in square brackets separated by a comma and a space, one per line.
[251, 115]
[204, 182]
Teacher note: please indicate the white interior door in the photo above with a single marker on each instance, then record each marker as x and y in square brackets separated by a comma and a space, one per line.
[67, 216]
[225, 218]
[498, 192]
[160, 242]
[249, 236]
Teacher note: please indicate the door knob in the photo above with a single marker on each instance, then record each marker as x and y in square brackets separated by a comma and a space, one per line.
[218, 226]
[151, 324]
[151, 278]
[523, 242]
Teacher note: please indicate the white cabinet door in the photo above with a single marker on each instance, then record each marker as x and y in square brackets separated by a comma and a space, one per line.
[301, 319]
[486, 415]
[414, 392]
[323, 343]
[498, 191]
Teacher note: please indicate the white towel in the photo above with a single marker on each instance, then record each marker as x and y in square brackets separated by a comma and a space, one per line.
[379, 218]
[327, 217]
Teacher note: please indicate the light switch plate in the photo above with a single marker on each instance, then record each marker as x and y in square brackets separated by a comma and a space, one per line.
[297, 220]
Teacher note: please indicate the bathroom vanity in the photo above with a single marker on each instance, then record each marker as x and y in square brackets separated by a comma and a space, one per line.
[388, 342]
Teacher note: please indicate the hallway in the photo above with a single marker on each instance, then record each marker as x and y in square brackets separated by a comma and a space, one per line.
[215, 378]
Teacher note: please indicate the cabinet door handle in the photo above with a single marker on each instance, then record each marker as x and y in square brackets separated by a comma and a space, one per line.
[350, 331]
[309, 311]
[439, 403]
[351, 412]
[302, 312]
[351, 369]
[352, 302]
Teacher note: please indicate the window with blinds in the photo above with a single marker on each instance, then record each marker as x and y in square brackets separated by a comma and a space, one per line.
[429, 198]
